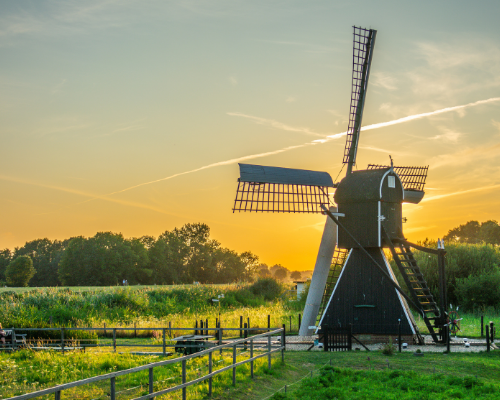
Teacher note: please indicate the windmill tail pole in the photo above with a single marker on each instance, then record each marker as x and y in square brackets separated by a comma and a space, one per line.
[396, 286]
[320, 276]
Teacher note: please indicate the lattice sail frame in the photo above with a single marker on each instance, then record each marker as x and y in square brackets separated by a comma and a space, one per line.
[280, 198]
[364, 40]
[412, 178]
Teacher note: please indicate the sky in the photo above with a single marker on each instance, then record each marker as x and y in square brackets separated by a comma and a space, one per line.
[131, 116]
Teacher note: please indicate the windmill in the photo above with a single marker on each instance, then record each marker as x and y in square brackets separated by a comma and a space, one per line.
[353, 283]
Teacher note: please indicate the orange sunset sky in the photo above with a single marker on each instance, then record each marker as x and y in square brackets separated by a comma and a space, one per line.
[131, 116]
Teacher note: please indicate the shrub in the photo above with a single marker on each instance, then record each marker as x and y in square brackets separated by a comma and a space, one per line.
[268, 288]
[20, 271]
[479, 291]
[389, 349]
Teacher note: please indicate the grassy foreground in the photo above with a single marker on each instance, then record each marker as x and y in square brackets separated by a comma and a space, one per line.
[361, 375]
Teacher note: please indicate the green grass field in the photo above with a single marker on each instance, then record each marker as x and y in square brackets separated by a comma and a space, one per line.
[355, 375]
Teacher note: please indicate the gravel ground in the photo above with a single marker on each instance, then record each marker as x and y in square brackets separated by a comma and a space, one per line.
[302, 343]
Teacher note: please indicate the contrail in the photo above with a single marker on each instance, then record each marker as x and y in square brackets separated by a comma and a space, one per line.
[317, 141]
[217, 164]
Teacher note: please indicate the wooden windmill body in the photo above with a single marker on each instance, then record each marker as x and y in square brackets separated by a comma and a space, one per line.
[353, 283]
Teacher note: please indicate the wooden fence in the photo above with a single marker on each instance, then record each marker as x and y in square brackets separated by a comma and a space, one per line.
[280, 346]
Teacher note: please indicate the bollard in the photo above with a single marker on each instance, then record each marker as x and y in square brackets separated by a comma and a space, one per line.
[492, 332]
[482, 325]
[300, 322]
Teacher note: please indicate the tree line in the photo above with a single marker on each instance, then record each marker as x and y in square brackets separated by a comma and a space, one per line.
[183, 255]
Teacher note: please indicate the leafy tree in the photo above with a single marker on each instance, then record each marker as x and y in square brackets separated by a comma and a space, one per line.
[490, 232]
[468, 233]
[45, 255]
[295, 275]
[20, 271]
[280, 273]
[263, 271]
[105, 259]
[5, 259]
[251, 262]
[473, 232]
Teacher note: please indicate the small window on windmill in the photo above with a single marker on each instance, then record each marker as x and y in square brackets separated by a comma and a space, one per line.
[391, 181]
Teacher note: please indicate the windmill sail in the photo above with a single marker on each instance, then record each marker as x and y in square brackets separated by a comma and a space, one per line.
[364, 41]
[282, 190]
[412, 178]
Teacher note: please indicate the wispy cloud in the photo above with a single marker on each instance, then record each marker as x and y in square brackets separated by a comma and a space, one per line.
[92, 196]
[276, 124]
[447, 135]
[58, 88]
[285, 149]
[384, 80]
[461, 192]
[466, 156]
[233, 80]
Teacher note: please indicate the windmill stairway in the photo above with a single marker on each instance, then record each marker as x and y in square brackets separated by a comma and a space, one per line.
[338, 262]
[417, 285]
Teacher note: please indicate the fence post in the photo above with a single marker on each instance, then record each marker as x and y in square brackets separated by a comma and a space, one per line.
[268, 321]
[184, 379]
[13, 338]
[245, 334]
[196, 327]
[251, 358]
[164, 344]
[234, 366]
[151, 381]
[57, 395]
[62, 340]
[300, 321]
[325, 338]
[482, 325]
[447, 338]
[241, 326]
[283, 343]
[105, 333]
[135, 329]
[206, 326]
[114, 340]
[487, 338]
[248, 322]
[290, 324]
[112, 392]
[170, 329]
[492, 332]
[210, 371]
[269, 352]
[399, 334]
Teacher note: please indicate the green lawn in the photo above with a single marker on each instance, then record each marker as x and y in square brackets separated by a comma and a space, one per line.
[419, 373]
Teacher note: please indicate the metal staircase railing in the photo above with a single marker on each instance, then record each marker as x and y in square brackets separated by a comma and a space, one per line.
[417, 286]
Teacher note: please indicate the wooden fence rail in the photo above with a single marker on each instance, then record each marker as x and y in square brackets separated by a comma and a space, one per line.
[57, 390]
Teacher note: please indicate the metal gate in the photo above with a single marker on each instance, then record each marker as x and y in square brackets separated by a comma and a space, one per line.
[337, 339]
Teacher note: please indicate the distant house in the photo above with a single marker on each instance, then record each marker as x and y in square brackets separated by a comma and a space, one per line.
[300, 286]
